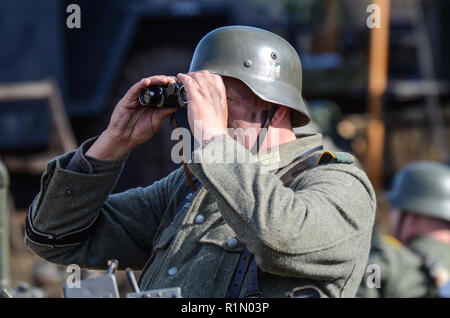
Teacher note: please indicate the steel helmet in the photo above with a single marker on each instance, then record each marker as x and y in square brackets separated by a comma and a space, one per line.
[265, 62]
[423, 188]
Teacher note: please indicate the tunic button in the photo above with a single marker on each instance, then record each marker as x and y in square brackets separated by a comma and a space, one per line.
[172, 271]
[187, 205]
[189, 196]
[69, 191]
[199, 218]
[232, 242]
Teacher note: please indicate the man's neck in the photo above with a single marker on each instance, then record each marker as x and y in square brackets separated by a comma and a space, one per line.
[440, 235]
[278, 136]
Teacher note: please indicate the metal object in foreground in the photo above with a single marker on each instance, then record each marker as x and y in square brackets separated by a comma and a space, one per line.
[4, 229]
[307, 291]
[106, 287]
[173, 95]
[4, 293]
[98, 287]
[174, 292]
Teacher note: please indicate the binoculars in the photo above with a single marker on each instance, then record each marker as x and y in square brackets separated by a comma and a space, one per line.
[173, 95]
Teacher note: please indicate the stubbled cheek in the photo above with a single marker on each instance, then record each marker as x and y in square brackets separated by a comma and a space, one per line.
[241, 113]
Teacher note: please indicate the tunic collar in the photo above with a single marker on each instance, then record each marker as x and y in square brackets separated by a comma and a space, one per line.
[281, 156]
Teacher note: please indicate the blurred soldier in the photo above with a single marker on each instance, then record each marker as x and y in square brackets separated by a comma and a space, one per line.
[420, 198]
[241, 231]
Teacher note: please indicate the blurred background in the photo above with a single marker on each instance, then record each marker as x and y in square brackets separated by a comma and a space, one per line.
[382, 94]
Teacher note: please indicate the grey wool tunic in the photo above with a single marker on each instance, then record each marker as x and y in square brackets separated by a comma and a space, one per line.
[315, 232]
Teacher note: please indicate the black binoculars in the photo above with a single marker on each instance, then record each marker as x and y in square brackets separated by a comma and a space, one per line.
[173, 95]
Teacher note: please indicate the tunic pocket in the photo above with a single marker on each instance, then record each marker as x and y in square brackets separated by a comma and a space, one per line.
[151, 267]
[224, 237]
[215, 263]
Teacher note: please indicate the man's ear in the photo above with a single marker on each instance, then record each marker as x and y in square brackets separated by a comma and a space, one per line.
[281, 113]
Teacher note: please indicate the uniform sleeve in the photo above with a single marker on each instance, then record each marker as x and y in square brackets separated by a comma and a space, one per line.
[89, 165]
[320, 231]
[69, 201]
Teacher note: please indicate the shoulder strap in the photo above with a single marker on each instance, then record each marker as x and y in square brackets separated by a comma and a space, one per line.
[335, 157]
[300, 166]
[311, 159]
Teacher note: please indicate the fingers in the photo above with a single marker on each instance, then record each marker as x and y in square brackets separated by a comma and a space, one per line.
[162, 113]
[134, 90]
[207, 76]
[162, 80]
[188, 81]
[165, 111]
[194, 81]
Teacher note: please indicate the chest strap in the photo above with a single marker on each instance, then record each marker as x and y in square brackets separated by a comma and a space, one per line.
[239, 274]
[253, 283]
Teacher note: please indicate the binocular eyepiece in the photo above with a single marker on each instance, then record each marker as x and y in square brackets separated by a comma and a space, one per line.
[173, 95]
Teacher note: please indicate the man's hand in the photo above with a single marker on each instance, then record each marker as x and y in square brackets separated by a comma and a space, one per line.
[131, 123]
[207, 102]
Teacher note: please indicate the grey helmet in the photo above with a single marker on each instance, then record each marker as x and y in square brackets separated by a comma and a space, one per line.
[265, 62]
[423, 188]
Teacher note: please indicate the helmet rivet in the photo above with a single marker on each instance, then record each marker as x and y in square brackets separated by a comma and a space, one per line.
[274, 55]
[247, 63]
